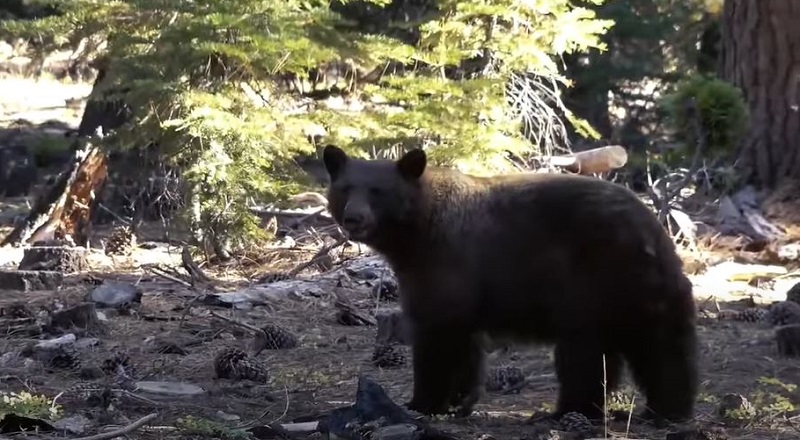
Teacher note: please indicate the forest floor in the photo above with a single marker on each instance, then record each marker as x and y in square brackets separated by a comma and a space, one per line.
[321, 373]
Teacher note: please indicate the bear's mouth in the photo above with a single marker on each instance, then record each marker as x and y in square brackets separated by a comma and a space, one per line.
[358, 233]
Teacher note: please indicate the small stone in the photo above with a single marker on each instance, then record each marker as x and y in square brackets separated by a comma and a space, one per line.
[75, 425]
[735, 408]
[404, 431]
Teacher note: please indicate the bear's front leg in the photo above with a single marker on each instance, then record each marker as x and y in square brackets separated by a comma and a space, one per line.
[447, 370]
[467, 383]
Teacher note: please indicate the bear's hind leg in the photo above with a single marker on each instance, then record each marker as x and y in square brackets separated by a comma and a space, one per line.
[581, 376]
[665, 368]
[447, 367]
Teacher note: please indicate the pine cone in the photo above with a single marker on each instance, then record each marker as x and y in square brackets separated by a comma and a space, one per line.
[121, 241]
[232, 363]
[388, 356]
[65, 357]
[577, 423]
[783, 313]
[278, 338]
[504, 379]
[121, 360]
[793, 294]
[751, 314]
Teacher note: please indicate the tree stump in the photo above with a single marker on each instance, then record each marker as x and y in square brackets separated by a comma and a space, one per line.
[788, 340]
[393, 327]
[27, 280]
[54, 256]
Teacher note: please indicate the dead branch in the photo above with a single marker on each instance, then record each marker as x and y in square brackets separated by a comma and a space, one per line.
[163, 273]
[197, 274]
[63, 211]
[125, 430]
[322, 253]
[259, 333]
[659, 191]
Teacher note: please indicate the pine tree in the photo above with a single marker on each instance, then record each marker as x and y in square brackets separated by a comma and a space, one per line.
[222, 87]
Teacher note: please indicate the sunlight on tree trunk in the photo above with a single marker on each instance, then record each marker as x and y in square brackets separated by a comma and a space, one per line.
[761, 55]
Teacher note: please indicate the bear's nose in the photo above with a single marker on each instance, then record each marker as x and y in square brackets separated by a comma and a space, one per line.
[353, 220]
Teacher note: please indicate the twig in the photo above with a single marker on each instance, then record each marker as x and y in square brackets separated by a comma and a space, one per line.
[160, 272]
[659, 191]
[122, 431]
[192, 268]
[318, 256]
[255, 329]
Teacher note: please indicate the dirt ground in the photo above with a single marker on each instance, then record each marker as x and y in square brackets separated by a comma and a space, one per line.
[322, 372]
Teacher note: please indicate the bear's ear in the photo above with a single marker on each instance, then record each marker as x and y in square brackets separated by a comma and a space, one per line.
[335, 159]
[412, 164]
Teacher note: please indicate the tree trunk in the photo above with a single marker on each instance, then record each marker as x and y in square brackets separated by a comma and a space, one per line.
[761, 55]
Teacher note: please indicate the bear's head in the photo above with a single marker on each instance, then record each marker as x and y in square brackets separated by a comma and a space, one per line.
[374, 200]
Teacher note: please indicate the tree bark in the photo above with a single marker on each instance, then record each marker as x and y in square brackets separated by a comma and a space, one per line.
[761, 55]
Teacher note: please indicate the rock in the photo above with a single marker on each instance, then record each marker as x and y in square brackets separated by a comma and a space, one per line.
[793, 294]
[393, 327]
[82, 316]
[735, 408]
[28, 280]
[403, 431]
[75, 425]
[715, 433]
[169, 388]
[18, 170]
[50, 344]
[46, 256]
[787, 338]
[116, 295]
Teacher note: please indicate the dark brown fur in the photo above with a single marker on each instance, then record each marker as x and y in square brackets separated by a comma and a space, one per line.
[574, 261]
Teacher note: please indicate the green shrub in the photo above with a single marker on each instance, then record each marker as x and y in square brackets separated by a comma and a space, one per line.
[722, 111]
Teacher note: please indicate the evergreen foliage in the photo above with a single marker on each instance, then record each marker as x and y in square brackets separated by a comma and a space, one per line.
[722, 110]
[213, 83]
[652, 45]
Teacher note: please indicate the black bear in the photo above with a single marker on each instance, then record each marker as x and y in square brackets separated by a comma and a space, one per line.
[575, 261]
